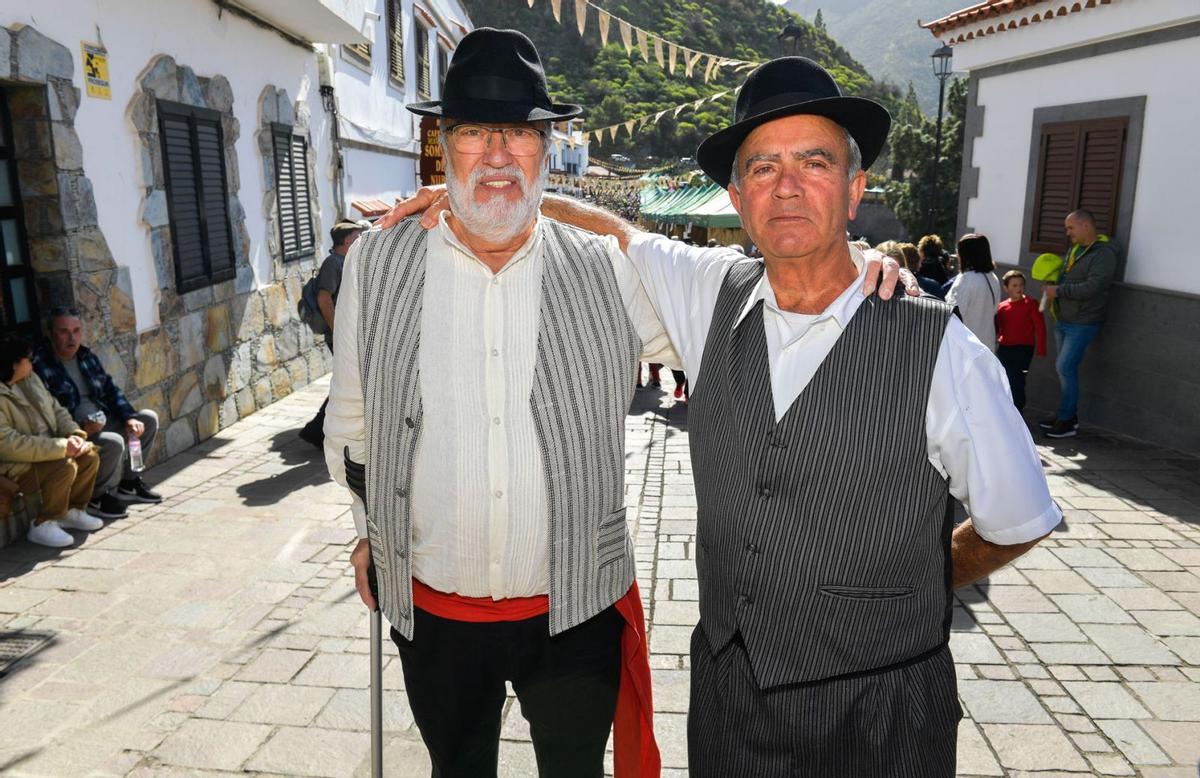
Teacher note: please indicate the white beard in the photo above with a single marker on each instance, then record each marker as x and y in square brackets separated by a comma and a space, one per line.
[498, 219]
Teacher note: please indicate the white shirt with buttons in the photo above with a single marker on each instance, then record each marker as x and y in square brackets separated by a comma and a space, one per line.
[479, 506]
[975, 436]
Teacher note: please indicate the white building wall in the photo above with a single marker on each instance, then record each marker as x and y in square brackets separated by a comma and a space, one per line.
[1157, 254]
[371, 105]
[192, 32]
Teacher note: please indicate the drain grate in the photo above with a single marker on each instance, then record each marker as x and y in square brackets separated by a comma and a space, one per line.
[15, 646]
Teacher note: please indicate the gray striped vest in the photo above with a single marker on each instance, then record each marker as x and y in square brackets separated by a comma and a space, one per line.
[587, 349]
[824, 538]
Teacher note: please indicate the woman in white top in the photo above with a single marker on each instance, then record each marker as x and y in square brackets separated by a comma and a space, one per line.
[976, 290]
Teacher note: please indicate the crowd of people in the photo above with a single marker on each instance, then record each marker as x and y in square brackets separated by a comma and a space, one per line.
[1002, 317]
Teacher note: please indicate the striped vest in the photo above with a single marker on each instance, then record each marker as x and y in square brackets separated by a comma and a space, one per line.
[583, 385]
[824, 538]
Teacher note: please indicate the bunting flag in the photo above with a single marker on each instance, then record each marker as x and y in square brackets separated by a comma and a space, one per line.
[658, 116]
[679, 108]
[644, 39]
[643, 44]
[581, 7]
[629, 126]
[612, 131]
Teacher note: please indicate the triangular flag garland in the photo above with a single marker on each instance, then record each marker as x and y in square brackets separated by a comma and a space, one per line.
[645, 39]
[637, 123]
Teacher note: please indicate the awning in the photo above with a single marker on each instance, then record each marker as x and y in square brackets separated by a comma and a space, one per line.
[703, 206]
[316, 21]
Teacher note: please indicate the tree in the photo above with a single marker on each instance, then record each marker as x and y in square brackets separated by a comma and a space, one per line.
[819, 21]
[912, 188]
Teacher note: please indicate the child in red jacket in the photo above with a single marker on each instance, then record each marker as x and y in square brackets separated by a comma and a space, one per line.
[1019, 329]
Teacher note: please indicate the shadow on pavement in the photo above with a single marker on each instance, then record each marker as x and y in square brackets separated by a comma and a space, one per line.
[307, 468]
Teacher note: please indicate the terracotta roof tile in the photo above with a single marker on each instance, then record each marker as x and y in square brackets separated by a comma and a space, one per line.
[370, 208]
[976, 21]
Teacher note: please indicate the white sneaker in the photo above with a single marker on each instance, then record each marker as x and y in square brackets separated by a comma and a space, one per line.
[48, 533]
[77, 519]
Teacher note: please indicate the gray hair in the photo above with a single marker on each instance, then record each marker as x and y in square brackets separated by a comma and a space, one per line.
[853, 165]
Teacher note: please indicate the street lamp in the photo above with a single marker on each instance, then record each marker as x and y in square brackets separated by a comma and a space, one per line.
[941, 69]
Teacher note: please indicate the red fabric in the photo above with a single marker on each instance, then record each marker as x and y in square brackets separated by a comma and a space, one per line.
[1020, 323]
[635, 752]
[477, 609]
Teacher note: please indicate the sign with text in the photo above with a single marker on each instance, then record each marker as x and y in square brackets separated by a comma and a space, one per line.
[95, 70]
[433, 167]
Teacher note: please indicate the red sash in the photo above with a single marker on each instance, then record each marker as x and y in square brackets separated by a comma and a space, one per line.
[635, 753]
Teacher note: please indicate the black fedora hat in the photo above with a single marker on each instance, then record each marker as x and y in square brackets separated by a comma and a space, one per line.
[496, 76]
[785, 87]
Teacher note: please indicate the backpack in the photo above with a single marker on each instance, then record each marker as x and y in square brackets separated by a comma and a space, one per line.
[308, 310]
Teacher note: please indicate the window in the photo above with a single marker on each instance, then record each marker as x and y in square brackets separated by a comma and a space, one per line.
[1079, 166]
[18, 304]
[359, 51]
[291, 188]
[443, 65]
[423, 79]
[395, 41]
[193, 148]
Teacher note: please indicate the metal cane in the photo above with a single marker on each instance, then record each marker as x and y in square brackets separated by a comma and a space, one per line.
[376, 679]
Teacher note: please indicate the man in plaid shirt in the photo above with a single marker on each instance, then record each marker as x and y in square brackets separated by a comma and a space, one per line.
[78, 380]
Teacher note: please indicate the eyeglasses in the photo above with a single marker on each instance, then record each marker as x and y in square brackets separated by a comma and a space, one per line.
[475, 139]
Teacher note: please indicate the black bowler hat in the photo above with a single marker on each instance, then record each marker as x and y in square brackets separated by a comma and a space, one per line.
[496, 76]
[785, 87]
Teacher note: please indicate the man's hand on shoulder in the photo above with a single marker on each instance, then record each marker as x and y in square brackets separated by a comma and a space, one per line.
[429, 201]
[883, 273]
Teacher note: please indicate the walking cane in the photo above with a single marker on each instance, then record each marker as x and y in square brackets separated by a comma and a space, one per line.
[376, 679]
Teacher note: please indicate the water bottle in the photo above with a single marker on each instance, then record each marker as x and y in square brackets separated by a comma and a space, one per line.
[135, 455]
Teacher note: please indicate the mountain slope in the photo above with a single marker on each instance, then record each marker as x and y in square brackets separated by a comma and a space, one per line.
[614, 87]
[884, 36]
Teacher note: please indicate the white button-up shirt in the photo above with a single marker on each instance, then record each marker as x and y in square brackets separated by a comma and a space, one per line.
[975, 436]
[479, 503]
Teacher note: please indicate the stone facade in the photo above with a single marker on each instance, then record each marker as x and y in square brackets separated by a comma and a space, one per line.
[218, 353]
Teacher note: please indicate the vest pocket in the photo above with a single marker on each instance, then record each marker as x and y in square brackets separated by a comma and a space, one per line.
[867, 592]
[610, 538]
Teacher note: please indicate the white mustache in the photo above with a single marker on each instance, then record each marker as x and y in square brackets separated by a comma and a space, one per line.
[478, 174]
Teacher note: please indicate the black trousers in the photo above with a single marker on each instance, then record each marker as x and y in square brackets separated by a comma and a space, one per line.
[899, 722]
[1016, 361]
[454, 672]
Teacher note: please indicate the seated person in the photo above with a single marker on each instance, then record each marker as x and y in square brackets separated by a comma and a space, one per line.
[43, 449]
[75, 377]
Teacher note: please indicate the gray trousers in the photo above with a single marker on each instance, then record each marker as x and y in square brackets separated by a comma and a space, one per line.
[896, 722]
[114, 465]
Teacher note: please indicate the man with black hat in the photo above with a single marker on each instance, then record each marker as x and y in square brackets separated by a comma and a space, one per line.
[329, 282]
[482, 374]
[822, 647]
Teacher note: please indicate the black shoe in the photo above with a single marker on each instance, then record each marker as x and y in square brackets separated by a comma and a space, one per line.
[107, 506]
[1063, 429]
[1048, 424]
[135, 490]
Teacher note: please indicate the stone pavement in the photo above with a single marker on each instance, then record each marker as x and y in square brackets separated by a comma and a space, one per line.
[219, 633]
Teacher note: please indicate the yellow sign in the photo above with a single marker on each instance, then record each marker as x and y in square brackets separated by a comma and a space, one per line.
[95, 70]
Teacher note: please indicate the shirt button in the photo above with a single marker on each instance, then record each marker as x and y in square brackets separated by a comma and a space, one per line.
[400, 492]
[495, 420]
[495, 352]
[764, 492]
[498, 494]
[408, 421]
[495, 282]
[753, 549]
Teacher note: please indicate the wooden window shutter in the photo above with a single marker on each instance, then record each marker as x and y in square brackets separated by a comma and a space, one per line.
[423, 74]
[291, 187]
[1079, 166]
[194, 162]
[395, 40]
[361, 51]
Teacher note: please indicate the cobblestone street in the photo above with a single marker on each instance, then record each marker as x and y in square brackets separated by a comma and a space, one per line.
[219, 633]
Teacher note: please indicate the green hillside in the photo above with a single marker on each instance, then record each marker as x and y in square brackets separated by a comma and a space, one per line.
[614, 87]
[884, 36]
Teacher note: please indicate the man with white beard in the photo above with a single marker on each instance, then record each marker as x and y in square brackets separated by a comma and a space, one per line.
[482, 374]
